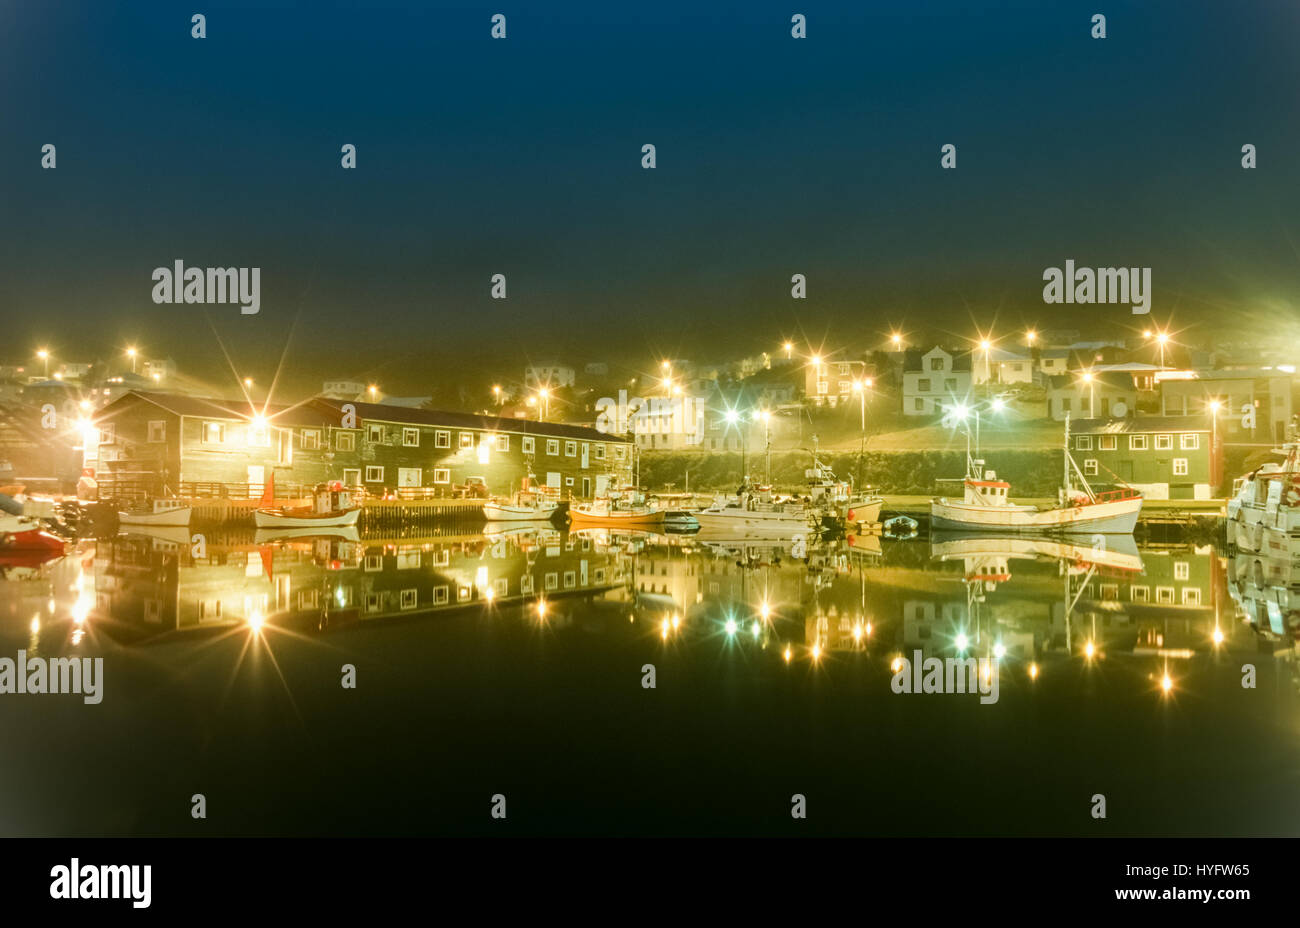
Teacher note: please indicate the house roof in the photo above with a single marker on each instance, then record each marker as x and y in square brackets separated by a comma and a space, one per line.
[324, 412]
[1141, 424]
[1107, 380]
[913, 357]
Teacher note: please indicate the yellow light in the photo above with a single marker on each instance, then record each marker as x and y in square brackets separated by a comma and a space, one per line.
[1089, 650]
[868, 628]
[666, 364]
[764, 610]
[1087, 377]
[1033, 671]
[259, 422]
[490, 594]
[1218, 635]
[668, 381]
[1162, 337]
[541, 609]
[985, 344]
[85, 405]
[42, 354]
[857, 633]
[896, 338]
[256, 620]
[1166, 683]
[1031, 336]
[663, 629]
[1215, 405]
[788, 346]
[544, 393]
[816, 360]
[248, 381]
[677, 621]
[816, 652]
[787, 654]
[36, 624]
[896, 664]
[1146, 333]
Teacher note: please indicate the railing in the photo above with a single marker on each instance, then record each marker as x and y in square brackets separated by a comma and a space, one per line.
[1115, 496]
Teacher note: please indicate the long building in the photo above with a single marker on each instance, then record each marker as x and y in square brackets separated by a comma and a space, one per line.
[161, 443]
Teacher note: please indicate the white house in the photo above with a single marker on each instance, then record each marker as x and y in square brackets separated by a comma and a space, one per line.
[549, 375]
[933, 380]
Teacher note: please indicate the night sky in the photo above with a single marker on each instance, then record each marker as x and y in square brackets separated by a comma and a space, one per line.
[522, 156]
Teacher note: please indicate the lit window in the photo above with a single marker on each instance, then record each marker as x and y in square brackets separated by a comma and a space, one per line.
[467, 439]
[214, 433]
[529, 444]
[552, 446]
[503, 442]
[1106, 443]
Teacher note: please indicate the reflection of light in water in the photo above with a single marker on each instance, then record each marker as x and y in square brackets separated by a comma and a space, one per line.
[663, 630]
[764, 610]
[489, 594]
[1218, 635]
[81, 609]
[787, 654]
[677, 621]
[1089, 649]
[857, 633]
[817, 651]
[753, 629]
[339, 597]
[999, 650]
[36, 624]
[77, 635]
[896, 664]
[962, 641]
[731, 626]
[1033, 671]
[541, 609]
[1166, 682]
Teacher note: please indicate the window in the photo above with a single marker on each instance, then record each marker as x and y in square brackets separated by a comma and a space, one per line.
[467, 439]
[552, 446]
[570, 448]
[442, 439]
[1065, 404]
[845, 386]
[918, 404]
[1180, 467]
[1106, 443]
[158, 430]
[309, 439]
[107, 434]
[441, 594]
[528, 443]
[442, 475]
[1182, 570]
[1083, 443]
[620, 452]
[950, 384]
[375, 434]
[345, 441]
[1137, 443]
[374, 474]
[923, 385]
[600, 452]
[411, 438]
[1191, 596]
[1090, 467]
[844, 367]
[823, 387]
[1140, 594]
[410, 599]
[503, 442]
[1165, 594]
[936, 364]
[1164, 442]
[214, 433]
[1188, 441]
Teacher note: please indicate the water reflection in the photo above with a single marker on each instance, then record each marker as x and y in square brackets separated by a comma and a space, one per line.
[1024, 601]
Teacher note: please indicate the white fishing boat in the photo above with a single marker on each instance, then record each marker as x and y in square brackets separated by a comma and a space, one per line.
[755, 514]
[266, 536]
[985, 507]
[331, 508]
[1264, 511]
[530, 504]
[162, 512]
[837, 498]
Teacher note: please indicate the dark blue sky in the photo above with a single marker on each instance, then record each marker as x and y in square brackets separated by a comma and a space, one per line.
[522, 156]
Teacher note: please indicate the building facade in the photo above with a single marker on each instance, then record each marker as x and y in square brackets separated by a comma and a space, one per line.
[1254, 404]
[156, 444]
[828, 383]
[1165, 457]
[934, 379]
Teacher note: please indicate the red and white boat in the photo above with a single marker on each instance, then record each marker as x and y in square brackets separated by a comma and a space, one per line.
[331, 508]
[627, 507]
[986, 508]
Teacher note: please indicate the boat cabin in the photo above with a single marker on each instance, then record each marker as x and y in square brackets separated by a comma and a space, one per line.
[331, 497]
[987, 491]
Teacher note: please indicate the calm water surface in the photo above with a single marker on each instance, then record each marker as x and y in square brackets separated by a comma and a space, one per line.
[515, 663]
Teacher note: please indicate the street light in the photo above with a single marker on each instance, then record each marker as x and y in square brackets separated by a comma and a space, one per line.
[131, 353]
[1215, 406]
[767, 443]
[896, 339]
[44, 355]
[860, 387]
[789, 349]
[1092, 394]
[1030, 337]
[496, 394]
[545, 395]
[1161, 339]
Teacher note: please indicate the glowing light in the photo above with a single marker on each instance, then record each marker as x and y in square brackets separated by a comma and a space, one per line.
[1031, 336]
[817, 651]
[1215, 406]
[787, 654]
[731, 626]
[1089, 650]
[999, 650]
[256, 620]
[753, 629]
[248, 381]
[663, 628]
[84, 405]
[259, 422]
[1087, 376]
[1218, 635]
[868, 628]
[817, 360]
[130, 352]
[1162, 337]
[731, 416]
[958, 411]
[962, 641]
[896, 664]
[999, 404]
[896, 339]
[677, 621]
[1033, 671]
[857, 633]
[985, 344]
[36, 624]
[541, 609]
[1166, 683]
[764, 610]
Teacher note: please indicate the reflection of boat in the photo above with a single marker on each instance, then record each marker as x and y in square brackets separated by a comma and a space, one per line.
[1264, 512]
[269, 535]
[863, 543]
[513, 529]
[162, 512]
[177, 535]
[985, 506]
[1118, 552]
[332, 507]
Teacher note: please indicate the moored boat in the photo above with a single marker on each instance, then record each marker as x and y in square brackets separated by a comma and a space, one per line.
[172, 512]
[621, 507]
[531, 504]
[331, 507]
[985, 506]
[1264, 511]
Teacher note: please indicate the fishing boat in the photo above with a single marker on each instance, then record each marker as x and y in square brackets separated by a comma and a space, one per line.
[622, 507]
[161, 512]
[532, 503]
[24, 534]
[756, 513]
[1264, 511]
[331, 508]
[837, 498]
[985, 507]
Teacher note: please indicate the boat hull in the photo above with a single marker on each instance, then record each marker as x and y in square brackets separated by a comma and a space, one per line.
[864, 511]
[172, 517]
[578, 517]
[272, 518]
[506, 512]
[1118, 517]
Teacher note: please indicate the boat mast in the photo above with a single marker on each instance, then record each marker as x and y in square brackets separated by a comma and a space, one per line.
[1066, 460]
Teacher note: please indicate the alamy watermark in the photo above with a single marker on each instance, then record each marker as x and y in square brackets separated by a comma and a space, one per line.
[947, 675]
[1100, 285]
[181, 284]
[82, 676]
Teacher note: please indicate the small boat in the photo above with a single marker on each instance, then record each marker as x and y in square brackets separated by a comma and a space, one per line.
[21, 534]
[266, 536]
[986, 508]
[625, 507]
[162, 512]
[836, 497]
[899, 528]
[531, 504]
[680, 521]
[332, 508]
[755, 514]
